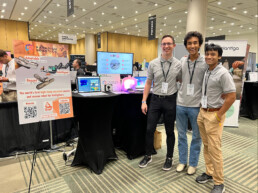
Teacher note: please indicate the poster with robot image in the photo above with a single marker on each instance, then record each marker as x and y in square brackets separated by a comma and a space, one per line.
[43, 88]
[234, 52]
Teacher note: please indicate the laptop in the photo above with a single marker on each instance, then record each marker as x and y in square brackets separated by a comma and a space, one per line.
[87, 84]
[141, 80]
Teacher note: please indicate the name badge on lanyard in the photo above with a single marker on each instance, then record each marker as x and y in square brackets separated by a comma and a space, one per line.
[164, 88]
[204, 101]
[190, 89]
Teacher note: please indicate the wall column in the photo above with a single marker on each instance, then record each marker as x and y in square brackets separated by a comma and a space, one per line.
[90, 48]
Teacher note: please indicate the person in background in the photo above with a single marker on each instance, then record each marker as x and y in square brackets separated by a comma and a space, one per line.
[77, 66]
[189, 101]
[8, 77]
[217, 81]
[163, 71]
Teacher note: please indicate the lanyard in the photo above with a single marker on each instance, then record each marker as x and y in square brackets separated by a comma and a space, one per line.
[191, 76]
[165, 76]
[206, 82]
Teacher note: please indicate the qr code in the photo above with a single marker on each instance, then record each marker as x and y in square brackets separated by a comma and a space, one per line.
[64, 108]
[30, 112]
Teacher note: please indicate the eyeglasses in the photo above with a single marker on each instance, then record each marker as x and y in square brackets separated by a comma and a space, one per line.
[169, 44]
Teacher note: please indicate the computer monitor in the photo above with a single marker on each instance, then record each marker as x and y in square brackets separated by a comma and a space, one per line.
[114, 63]
[141, 80]
[88, 84]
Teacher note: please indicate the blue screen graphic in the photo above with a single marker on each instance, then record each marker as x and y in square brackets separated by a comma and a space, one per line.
[114, 63]
[141, 80]
[88, 84]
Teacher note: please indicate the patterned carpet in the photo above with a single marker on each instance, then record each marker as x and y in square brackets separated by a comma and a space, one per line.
[123, 175]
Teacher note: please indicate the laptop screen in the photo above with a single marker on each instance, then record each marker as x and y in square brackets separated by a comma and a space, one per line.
[141, 80]
[88, 84]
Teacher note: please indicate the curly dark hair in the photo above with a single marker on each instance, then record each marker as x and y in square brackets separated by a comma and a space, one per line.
[193, 34]
[214, 47]
[2, 53]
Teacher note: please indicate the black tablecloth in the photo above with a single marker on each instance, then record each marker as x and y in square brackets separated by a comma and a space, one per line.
[95, 145]
[130, 125]
[15, 137]
[249, 102]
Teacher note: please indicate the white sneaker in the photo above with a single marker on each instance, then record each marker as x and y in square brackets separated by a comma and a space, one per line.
[180, 167]
[191, 170]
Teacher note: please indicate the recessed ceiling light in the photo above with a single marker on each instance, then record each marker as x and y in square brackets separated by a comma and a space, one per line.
[2, 16]
[212, 19]
[100, 25]
[180, 32]
[165, 17]
[139, 30]
[220, 29]
[91, 28]
[54, 27]
[57, 5]
[45, 32]
[3, 11]
[115, 7]
[122, 23]
[241, 26]
[213, 33]
[30, 0]
[128, 33]
[170, 8]
[238, 32]
[136, 12]
[229, 31]
[32, 28]
[66, 20]
[77, 33]
[211, 27]
[39, 21]
[112, 27]
[256, 16]
[84, 31]
[219, 3]
[149, 14]
[232, 23]
[94, 3]
[160, 29]
[224, 22]
[186, 12]
[135, 19]
[172, 31]
[138, 34]
[59, 24]
[180, 21]
[4, 4]
[175, 26]
[35, 25]
[25, 8]
[19, 18]
[245, 12]
[165, 24]
[234, 8]
[136, 25]
[74, 15]
[109, 21]
[45, 16]
[49, 30]
[115, 31]
[250, 28]
[125, 29]
[123, 17]
[68, 29]
[83, 9]
[50, 12]
[102, 13]
[156, 4]
[83, 22]
[75, 26]
[22, 13]
[91, 18]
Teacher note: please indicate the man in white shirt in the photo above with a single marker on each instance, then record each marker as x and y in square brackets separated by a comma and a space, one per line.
[8, 78]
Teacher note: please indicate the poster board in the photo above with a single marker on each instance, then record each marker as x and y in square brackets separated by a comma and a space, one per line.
[43, 85]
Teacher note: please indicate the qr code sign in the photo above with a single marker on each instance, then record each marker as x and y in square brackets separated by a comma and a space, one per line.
[64, 108]
[30, 112]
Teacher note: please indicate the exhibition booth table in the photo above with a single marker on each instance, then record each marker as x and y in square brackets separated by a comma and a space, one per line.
[249, 103]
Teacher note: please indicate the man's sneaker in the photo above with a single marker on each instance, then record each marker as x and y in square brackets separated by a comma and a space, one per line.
[146, 159]
[180, 167]
[203, 178]
[168, 164]
[218, 188]
[191, 170]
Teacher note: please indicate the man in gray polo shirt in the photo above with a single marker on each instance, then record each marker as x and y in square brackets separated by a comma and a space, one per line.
[189, 101]
[163, 71]
[217, 81]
